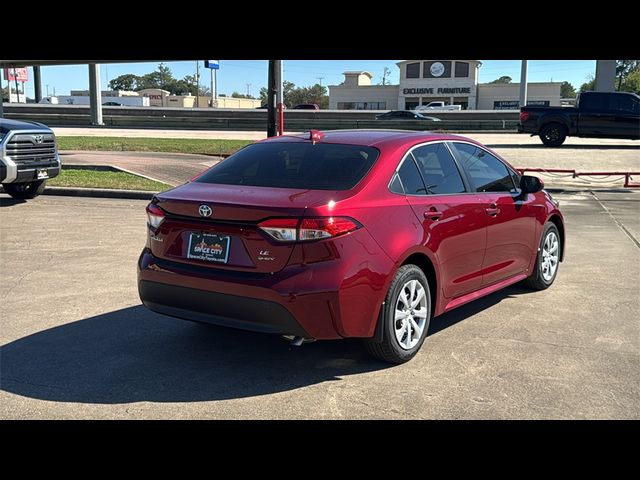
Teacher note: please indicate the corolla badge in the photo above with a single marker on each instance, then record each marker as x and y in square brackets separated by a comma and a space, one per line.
[205, 211]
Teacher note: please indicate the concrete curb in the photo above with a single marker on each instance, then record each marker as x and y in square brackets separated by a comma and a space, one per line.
[99, 193]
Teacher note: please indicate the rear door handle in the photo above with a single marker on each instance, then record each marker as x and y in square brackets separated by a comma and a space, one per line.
[432, 214]
[492, 210]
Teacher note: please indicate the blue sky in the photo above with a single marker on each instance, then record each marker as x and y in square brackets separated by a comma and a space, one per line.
[235, 74]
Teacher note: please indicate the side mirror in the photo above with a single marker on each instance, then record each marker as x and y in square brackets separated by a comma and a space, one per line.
[530, 184]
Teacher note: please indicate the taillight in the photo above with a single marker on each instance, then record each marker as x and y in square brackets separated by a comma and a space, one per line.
[281, 229]
[524, 116]
[155, 215]
[292, 229]
[316, 228]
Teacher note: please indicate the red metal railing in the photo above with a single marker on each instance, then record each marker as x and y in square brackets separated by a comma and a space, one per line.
[628, 176]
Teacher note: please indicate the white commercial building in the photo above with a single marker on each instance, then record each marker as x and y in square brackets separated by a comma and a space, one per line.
[454, 82]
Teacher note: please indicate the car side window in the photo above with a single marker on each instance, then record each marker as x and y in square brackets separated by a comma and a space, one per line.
[623, 104]
[516, 178]
[438, 169]
[486, 172]
[396, 185]
[410, 178]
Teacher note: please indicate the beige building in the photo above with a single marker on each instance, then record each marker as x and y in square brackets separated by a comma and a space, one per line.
[454, 82]
[506, 96]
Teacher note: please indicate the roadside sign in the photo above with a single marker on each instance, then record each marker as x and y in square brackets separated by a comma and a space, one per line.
[21, 74]
[212, 64]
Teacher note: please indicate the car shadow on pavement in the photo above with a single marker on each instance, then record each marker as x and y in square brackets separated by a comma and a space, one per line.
[9, 202]
[133, 355]
[449, 319]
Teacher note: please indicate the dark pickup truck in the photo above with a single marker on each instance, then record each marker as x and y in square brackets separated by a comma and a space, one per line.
[596, 115]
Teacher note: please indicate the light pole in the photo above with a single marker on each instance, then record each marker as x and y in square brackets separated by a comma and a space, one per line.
[320, 79]
[197, 83]
[47, 90]
[248, 86]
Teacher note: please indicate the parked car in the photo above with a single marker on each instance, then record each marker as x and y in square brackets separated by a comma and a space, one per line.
[596, 115]
[112, 104]
[28, 157]
[361, 233]
[405, 115]
[438, 106]
[306, 106]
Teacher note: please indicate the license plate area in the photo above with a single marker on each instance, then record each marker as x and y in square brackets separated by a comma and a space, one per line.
[208, 247]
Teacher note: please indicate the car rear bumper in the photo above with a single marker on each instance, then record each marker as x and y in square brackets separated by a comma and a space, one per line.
[219, 308]
[257, 302]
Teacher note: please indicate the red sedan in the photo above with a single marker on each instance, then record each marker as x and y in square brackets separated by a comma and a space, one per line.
[340, 234]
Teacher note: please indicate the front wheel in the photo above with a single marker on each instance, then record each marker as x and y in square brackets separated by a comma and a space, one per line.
[406, 315]
[553, 134]
[548, 259]
[25, 190]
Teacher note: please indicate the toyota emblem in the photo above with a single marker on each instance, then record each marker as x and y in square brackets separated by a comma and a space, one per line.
[205, 211]
[38, 138]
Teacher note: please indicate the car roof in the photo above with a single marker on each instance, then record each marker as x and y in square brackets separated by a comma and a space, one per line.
[372, 138]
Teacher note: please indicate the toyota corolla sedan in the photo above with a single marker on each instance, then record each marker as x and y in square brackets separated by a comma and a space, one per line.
[367, 234]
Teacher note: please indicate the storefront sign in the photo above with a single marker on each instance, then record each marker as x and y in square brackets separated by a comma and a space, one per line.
[515, 104]
[21, 74]
[433, 91]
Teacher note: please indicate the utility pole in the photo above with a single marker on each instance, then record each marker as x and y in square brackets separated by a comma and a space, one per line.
[197, 83]
[47, 90]
[248, 86]
[385, 73]
[271, 99]
[279, 97]
[320, 78]
[37, 83]
[523, 83]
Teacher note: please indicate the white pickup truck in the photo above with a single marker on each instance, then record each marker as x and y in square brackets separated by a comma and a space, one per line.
[438, 106]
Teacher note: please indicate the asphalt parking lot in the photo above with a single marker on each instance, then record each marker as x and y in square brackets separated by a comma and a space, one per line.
[77, 344]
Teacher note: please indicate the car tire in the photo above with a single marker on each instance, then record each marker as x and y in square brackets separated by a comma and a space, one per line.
[550, 250]
[25, 191]
[553, 134]
[401, 340]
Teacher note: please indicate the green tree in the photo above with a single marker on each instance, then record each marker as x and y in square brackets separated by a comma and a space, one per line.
[589, 85]
[287, 88]
[503, 79]
[632, 82]
[128, 81]
[567, 90]
[242, 95]
[624, 68]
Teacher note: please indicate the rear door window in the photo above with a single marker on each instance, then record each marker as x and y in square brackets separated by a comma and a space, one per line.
[486, 173]
[410, 178]
[438, 169]
[323, 166]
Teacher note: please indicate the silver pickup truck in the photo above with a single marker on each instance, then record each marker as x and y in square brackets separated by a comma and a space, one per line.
[28, 157]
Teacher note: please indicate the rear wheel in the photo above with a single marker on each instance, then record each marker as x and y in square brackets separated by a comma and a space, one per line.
[406, 315]
[548, 259]
[553, 134]
[25, 190]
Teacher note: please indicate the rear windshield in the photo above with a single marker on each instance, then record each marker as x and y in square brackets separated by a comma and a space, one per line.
[322, 166]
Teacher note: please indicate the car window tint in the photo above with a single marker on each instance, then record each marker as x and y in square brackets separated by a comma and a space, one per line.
[396, 186]
[410, 178]
[486, 172]
[623, 104]
[303, 165]
[438, 169]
